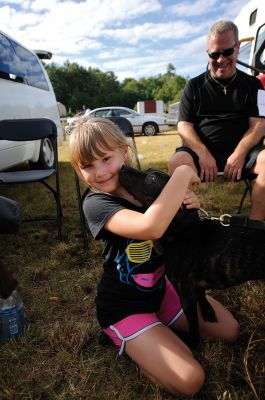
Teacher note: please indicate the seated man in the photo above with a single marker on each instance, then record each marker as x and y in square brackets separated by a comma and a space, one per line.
[219, 120]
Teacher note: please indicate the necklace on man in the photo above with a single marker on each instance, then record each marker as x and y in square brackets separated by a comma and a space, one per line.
[224, 86]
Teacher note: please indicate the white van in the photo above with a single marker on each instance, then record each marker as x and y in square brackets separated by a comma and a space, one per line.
[25, 92]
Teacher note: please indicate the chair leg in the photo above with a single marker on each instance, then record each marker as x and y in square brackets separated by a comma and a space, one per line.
[81, 214]
[59, 213]
[248, 189]
[136, 153]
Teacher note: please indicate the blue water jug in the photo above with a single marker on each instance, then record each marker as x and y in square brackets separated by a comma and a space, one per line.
[12, 317]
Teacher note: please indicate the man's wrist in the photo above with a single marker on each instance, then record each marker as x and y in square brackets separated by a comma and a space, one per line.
[201, 150]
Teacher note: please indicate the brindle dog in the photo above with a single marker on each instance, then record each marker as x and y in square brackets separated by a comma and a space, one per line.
[199, 254]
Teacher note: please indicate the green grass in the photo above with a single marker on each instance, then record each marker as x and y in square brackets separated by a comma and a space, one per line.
[58, 357]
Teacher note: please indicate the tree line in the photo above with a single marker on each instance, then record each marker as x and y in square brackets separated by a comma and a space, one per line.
[79, 88]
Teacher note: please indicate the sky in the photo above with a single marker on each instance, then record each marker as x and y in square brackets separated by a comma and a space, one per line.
[132, 38]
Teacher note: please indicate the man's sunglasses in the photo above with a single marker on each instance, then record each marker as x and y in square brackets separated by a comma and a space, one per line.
[225, 53]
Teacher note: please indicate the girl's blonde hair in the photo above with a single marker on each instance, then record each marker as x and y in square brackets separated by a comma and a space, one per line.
[91, 138]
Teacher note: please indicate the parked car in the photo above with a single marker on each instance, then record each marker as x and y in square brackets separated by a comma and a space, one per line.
[26, 92]
[148, 124]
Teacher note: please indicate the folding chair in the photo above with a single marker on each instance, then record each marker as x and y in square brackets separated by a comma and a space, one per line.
[127, 129]
[248, 189]
[27, 130]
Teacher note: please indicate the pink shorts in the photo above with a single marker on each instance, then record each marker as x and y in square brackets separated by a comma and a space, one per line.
[134, 325]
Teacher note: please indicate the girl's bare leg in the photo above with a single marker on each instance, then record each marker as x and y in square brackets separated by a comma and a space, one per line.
[166, 360]
[226, 328]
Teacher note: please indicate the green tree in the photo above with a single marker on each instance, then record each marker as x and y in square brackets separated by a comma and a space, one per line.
[78, 87]
[170, 70]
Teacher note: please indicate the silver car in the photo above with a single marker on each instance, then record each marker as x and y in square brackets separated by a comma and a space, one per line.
[148, 124]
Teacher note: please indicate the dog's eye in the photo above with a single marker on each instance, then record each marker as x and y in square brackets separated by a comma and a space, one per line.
[151, 178]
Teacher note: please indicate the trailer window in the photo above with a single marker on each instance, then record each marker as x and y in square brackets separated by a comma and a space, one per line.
[244, 55]
[260, 37]
[253, 16]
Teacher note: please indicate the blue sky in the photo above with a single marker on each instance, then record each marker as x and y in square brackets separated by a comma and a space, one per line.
[132, 38]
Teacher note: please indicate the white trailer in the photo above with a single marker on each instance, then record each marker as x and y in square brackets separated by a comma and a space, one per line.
[251, 25]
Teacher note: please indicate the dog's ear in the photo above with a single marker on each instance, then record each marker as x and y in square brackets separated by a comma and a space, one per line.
[151, 170]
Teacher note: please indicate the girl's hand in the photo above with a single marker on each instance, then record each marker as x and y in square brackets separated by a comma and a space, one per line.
[195, 179]
[191, 200]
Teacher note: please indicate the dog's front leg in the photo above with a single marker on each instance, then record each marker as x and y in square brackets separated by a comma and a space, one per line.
[189, 304]
[207, 310]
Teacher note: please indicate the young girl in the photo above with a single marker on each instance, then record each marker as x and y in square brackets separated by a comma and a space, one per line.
[137, 307]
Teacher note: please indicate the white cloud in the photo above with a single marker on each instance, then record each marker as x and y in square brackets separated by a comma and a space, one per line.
[154, 32]
[192, 8]
[10, 1]
[52, 21]
[130, 37]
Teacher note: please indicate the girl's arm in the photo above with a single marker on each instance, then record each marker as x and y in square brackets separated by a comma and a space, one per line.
[153, 223]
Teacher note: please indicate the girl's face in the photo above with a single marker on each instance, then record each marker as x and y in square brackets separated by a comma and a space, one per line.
[103, 173]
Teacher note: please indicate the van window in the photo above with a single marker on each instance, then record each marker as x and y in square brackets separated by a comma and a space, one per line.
[19, 64]
[6, 55]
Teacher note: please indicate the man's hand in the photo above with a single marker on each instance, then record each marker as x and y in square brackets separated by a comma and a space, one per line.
[208, 166]
[233, 167]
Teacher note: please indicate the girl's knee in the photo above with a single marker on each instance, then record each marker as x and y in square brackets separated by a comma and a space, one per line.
[233, 332]
[190, 384]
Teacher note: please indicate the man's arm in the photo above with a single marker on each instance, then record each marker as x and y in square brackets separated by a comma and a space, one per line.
[250, 139]
[191, 139]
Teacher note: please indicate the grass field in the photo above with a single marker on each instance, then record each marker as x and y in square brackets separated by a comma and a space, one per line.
[58, 357]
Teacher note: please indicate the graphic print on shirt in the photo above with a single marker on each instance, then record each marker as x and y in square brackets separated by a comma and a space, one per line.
[141, 265]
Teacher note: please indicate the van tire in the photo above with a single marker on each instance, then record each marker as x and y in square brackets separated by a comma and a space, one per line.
[47, 157]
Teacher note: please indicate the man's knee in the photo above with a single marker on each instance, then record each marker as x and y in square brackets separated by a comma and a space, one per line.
[259, 165]
[180, 158]
[260, 162]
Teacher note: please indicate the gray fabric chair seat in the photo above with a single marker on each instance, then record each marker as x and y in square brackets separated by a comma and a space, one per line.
[25, 176]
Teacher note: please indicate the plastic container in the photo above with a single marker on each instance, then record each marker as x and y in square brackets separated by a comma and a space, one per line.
[12, 317]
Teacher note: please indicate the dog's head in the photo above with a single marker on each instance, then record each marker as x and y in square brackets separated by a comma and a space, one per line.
[145, 186]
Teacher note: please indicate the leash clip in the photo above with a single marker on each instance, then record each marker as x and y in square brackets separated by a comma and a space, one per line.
[224, 219]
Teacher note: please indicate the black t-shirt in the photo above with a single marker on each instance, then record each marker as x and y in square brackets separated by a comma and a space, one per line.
[133, 279]
[220, 119]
